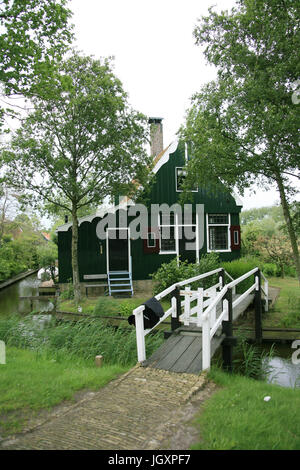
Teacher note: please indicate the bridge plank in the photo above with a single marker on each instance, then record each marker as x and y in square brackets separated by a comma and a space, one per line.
[169, 359]
[186, 359]
[162, 350]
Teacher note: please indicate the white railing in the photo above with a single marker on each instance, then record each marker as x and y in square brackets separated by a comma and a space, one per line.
[205, 311]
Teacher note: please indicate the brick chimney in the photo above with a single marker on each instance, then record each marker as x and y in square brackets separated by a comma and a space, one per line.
[156, 135]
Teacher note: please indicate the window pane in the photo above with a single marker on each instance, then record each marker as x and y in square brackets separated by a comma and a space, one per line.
[151, 240]
[167, 219]
[180, 178]
[236, 237]
[168, 239]
[218, 218]
[218, 238]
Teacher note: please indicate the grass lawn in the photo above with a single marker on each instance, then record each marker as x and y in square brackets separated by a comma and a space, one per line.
[31, 381]
[236, 417]
[286, 311]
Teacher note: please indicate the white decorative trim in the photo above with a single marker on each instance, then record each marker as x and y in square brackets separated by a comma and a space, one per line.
[101, 212]
[165, 157]
[237, 199]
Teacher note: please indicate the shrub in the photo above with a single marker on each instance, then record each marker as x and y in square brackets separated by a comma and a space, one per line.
[173, 272]
[270, 269]
[68, 292]
[239, 267]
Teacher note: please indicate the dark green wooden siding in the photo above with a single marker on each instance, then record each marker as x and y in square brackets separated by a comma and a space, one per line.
[92, 258]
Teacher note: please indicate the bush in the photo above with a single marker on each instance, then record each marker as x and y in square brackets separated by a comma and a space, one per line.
[173, 272]
[270, 269]
[239, 267]
[68, 293]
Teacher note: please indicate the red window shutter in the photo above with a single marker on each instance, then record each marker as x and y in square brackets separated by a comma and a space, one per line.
[235, 232]
[155, 248]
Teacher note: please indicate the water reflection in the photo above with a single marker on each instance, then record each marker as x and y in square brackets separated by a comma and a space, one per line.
[9, 297]
[283, 372]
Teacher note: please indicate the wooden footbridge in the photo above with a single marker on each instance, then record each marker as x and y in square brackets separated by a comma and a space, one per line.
[201, 321]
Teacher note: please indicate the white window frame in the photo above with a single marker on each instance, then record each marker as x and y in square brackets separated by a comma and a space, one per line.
[176, 186]
[236, 237]
[152, 238]
[176, 229]
[228, 250]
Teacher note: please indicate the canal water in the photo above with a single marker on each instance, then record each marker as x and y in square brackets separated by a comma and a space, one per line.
[285, 366]
[9, 297]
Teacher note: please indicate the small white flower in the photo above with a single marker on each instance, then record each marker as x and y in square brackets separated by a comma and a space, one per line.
[267, 398]
[79, 309]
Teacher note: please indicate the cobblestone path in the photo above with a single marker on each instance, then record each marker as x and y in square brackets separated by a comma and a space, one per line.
[142, 409]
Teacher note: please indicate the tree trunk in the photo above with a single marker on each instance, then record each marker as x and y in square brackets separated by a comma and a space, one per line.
[75, 267]
[289, 223]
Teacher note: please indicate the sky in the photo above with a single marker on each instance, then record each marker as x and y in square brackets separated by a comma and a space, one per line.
[155, 56]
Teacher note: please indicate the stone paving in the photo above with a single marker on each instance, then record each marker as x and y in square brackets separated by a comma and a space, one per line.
[142, 409]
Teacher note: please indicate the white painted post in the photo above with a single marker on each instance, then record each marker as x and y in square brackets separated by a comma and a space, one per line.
[187, 307]
[226, 308]
[213, 313]
[206, 344]
[199, 306]
[174, 307]
[266, 286]
[140, 336]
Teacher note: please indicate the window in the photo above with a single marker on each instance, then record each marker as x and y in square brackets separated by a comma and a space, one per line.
[236, 238]
[218, 232]
[167, 219]
[167, 239]
[218, 219]
[151, 242]
[180, 177]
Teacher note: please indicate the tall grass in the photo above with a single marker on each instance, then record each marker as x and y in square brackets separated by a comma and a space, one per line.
[82, 339]
[250, 360]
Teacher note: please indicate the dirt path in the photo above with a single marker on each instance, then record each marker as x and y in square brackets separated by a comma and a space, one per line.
[143, 409]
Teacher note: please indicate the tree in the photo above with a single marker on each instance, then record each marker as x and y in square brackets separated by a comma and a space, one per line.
[34, 35]
[82, 143]
[276, 249]
[244, 126]
[47, 257]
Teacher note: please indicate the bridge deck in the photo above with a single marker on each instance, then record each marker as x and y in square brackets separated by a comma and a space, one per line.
[182, 352]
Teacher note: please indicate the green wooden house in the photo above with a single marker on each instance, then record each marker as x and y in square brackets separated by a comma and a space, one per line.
[118, 248]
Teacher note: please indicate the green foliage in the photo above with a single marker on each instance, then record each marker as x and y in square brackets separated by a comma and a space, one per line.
[250, 360]
[270, 269]
[173, 272]
[244, 126]
[82, 339]
[34, 33]
[81, 143]
[237, 268]
[68, 292]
